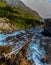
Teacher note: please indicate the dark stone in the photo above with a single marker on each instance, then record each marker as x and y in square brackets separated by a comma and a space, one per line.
[47, 28]
[43, 60]
[8, 62]
[2, 59]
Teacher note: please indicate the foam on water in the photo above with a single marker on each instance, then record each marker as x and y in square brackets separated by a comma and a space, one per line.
[4, 36]
[36, 53]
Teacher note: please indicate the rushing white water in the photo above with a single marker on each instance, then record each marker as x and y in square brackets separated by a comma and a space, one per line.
[4, 36]
[36, 52]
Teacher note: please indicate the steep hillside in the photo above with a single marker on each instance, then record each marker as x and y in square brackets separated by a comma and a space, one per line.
[24, 10]
[19, 16]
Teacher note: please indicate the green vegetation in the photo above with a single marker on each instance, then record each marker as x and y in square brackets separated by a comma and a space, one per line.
[19, 16]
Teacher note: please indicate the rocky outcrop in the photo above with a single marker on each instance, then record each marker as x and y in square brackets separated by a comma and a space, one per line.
[5, 26]
[47, 27]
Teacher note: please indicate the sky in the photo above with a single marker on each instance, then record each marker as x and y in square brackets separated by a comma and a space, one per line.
[43, 7]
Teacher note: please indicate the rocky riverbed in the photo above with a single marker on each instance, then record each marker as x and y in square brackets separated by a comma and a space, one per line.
[36, 52]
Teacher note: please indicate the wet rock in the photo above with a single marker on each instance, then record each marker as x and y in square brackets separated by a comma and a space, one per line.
[47, 48]
[47, 27]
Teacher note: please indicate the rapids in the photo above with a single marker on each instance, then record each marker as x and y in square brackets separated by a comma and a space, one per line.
[35, 51]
